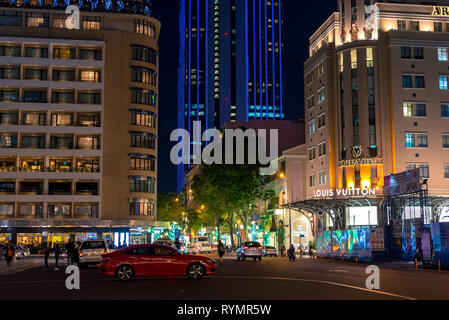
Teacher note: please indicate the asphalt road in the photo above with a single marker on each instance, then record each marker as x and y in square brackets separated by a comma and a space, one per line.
[270, 279]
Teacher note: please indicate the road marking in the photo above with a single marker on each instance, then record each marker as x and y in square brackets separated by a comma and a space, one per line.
[319, 281]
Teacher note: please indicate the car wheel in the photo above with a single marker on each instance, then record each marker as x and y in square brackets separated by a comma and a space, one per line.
[125, 272]
[196, 271]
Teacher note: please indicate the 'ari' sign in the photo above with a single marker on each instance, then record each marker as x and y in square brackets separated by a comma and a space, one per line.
[440, 11]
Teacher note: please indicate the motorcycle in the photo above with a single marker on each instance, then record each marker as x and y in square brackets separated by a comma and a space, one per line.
[291, 256]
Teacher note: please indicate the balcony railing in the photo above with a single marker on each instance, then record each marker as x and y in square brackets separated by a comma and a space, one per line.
[48, 169]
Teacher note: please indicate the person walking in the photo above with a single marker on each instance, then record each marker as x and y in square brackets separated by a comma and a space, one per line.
[46, 256]
[221, 251]
[9, 254]
[70, 248]
[57, 252]
[76, 255]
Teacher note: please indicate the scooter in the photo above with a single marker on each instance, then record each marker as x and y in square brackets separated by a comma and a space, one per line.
[291, 256]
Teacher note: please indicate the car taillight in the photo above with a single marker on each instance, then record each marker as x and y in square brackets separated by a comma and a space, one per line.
[81, 253]
[105, 252]
[245, 247]
[106, 258]
[260, 248]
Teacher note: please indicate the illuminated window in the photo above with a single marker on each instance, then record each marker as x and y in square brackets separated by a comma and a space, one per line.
[442, 54]
[412, 109]
[341, 62]
[446, 140]
[311, 126]
[445, 110]
[446, 171]
[64, 53]
[414, 25]
[402, 25]
[91, 23]
[90, 76]
[369, 58]
[312, 180]
[353, 59]
[444, 82]
[438, 26]
[323, 177]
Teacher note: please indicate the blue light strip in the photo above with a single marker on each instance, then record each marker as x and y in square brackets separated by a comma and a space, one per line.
[280, 54]
[266, 58]
[198, 68]
[260, 55]
[206, 70]
[247, 59]
[273, 58]
[254, 52]
[190, 61]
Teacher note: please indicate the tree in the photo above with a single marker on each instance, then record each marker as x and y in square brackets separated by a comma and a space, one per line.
[170, 207]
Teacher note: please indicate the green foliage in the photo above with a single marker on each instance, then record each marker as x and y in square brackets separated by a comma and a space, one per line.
[168, 209]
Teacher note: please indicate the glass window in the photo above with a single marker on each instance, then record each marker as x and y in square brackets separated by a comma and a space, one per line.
[442, 54]
[444, 82]
[143, 140]
[144, 54]
[418, 53]
[9, 118]
[353, 59]
[61, 142]
[143, 118]
[142, 184]
[59, 210]
[6, 209]
[91, 143]
[141, 207]
[422, 140]
[142, 162]
[36, 52]
[90, 188]
[36, 19]
[63, 97]
[64, 75]
[88, 120]
[312, 180]
[311, 126]
[438, 26]
[90, 76]
[445, 140]
[10, 18]
[321, 96]
[91, 22]
[34, 119]
[145, 27]
[409, 140]
[414, 109]
[8, 141]
[61, 119]
[445, 110]
[31, 187]
[406, 53]
[9, 95]
[89, 97]
[35, 96]
[86, 210]
[419, 82]
[143, 96]
[35, 142]
[312, 154]
[64, 53]
[322, 149]
[59, 21]
[143, 75]
[10, 73]
[369, 58]
[10, 51]
[90, 54]
[424, 170]
[407, 81]
[446, 171]
[402, 25]
[36, 74]
[414, 25]
[7, 186]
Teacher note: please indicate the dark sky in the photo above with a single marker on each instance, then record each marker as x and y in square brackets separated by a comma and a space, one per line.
[301, 19]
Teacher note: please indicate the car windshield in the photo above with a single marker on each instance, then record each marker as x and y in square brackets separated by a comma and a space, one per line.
[252, 244]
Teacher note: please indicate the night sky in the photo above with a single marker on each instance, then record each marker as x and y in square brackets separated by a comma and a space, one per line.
[301, 19]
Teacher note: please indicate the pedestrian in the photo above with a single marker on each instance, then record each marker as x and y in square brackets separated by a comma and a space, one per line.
[9, 254]
[76, 255]
[70, 247]
[177, 244]
[124, 245]
[46, 256]
[57, 252]
[221, 251]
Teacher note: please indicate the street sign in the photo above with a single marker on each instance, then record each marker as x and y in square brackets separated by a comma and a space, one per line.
[402, 183]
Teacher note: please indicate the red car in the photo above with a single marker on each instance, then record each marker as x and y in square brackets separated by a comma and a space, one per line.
[149, 260]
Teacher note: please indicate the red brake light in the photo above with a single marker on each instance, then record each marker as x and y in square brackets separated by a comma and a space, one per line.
[260, 247]
[81, 254]
[245, 247]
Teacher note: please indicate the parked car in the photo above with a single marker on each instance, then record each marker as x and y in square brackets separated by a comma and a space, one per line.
[250, 249]
[148, 260]
[270, 251]
[165, 242]
[90, 252]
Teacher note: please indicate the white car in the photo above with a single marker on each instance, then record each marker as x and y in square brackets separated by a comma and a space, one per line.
[90, 252]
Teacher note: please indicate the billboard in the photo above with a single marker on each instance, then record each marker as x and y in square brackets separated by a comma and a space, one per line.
[402, 183]
[347, 243]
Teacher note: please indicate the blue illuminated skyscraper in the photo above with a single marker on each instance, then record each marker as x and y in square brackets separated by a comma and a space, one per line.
[230, 63]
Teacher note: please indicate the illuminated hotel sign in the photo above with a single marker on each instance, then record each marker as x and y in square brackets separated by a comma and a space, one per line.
[355, 162]
[440, 11]
[355, 192]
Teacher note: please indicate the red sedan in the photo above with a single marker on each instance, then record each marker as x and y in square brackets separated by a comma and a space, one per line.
[149, 260]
